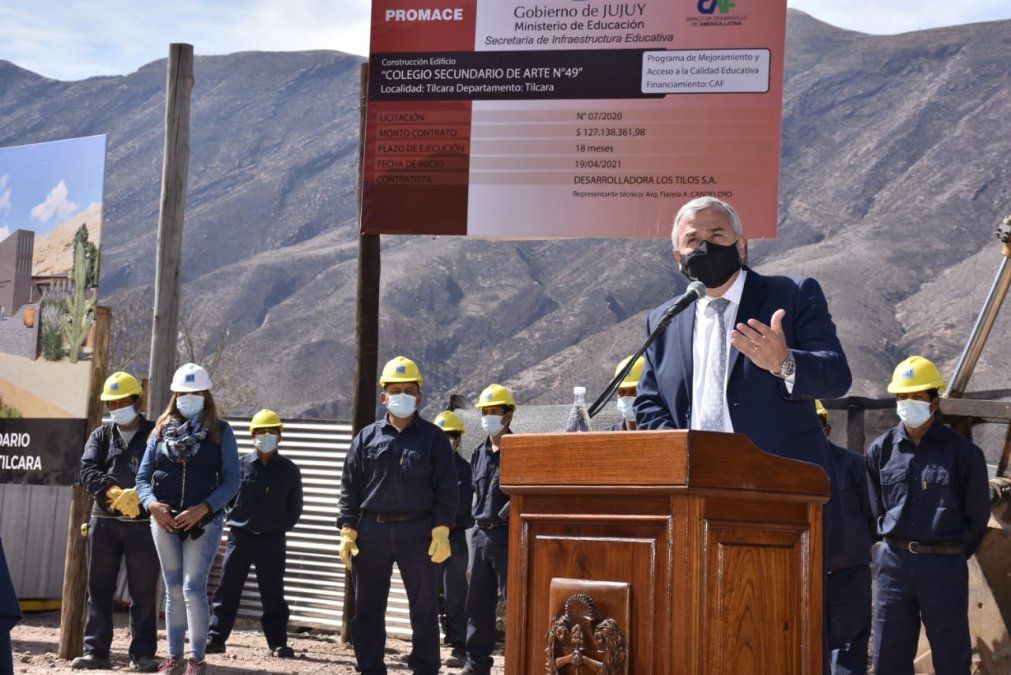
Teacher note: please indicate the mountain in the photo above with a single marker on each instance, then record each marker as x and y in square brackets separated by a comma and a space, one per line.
[895, 171]
[54, 252]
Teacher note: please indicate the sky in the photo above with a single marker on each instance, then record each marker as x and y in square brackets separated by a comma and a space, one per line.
[43, 185]
[75, 39]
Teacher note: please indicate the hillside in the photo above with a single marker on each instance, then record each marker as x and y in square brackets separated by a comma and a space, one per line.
[54, 252]
[896, 169]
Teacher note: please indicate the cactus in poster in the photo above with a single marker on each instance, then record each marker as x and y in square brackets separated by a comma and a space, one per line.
[80, 315]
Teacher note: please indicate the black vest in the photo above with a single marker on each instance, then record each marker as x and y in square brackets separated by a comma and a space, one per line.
[185, 484]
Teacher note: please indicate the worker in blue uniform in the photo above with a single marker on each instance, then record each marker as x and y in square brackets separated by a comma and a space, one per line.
[848, 588]
[929, 492]
[454, 570]
[489, 546]
[397, 504]
[268, 505]
[627, 391]
[119, 528]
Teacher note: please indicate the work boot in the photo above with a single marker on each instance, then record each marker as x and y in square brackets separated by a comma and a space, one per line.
[90, 662]
[214, 647]
[456, 660]
[144, 664]
[196, 667]
[172, 666]
[283, 652]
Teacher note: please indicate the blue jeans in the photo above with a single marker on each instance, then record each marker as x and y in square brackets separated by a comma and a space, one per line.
[185, 566]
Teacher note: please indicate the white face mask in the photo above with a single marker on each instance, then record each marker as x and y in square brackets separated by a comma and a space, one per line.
[401, 405]
[265, 443]
[913, 413]
[625, 404]
[124, 416]
[189, 406]
[492, 424]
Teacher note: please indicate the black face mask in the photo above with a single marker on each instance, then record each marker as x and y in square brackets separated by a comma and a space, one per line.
[712, 264]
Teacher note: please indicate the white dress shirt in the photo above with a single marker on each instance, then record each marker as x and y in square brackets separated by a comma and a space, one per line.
[706, 324]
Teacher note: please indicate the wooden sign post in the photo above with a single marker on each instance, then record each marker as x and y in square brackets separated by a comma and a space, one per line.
[75, 569]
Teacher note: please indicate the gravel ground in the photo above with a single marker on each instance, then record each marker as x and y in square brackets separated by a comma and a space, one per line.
[36, 638]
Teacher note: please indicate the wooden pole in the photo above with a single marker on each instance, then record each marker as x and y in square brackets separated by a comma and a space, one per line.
[175, 172]
[363, 406]
[75, 567]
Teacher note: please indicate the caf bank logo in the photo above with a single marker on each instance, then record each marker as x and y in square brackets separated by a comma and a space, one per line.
[716, 13]
[710, 6]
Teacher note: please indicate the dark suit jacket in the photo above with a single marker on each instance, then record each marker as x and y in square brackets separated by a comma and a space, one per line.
[779, 422]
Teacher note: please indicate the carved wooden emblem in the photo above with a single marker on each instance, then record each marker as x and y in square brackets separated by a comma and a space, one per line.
[581, 641]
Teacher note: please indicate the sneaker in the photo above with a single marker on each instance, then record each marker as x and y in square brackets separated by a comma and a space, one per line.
[456, 660]
[90, 662]
[144, 664]
[214, 647]
[196, 667]
[172, 666]
[283, 652]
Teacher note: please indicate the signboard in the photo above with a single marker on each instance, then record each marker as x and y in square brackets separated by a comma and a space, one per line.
[571, 118]
[50, 230]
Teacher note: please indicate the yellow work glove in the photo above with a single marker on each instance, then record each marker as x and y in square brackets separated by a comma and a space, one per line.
[127, 503]
[113, 493]
[439, 551]
[348, 548]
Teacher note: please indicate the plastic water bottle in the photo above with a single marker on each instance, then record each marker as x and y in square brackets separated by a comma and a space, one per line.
[579, 419]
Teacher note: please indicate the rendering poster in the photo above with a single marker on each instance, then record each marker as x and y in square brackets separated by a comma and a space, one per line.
[50, 229]
[571, 118]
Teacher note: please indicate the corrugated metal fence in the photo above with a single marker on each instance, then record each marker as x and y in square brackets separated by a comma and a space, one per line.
[314, 581]
[33, 523]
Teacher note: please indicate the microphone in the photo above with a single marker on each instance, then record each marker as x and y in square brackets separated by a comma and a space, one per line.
[696, 290]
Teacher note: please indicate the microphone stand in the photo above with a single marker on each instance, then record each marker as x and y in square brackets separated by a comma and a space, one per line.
[695, 291]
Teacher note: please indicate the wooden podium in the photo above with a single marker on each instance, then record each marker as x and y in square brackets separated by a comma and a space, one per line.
[661, 552]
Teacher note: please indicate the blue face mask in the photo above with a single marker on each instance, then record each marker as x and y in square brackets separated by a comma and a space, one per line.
[189, 406]
[401, 405]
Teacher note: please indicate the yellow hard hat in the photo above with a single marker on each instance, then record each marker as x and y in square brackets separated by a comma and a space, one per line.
[120, 385]
[916, 374]
[400, 369]
[265, 419]
[449, 421]
[822, 412]
[632, 379]
[495, 394]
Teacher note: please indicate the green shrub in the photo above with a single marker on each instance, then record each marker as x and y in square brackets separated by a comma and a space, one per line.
[51, 332]
[7, 411]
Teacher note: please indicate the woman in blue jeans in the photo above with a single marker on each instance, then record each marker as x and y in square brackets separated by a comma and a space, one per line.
[189, 472]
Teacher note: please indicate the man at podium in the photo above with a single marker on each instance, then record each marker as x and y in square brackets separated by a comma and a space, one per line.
[752, 355]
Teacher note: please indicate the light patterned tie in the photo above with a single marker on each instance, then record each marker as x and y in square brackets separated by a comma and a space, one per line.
[716, 371]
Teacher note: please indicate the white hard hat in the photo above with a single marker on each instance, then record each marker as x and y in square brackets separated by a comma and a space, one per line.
[189, 378]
